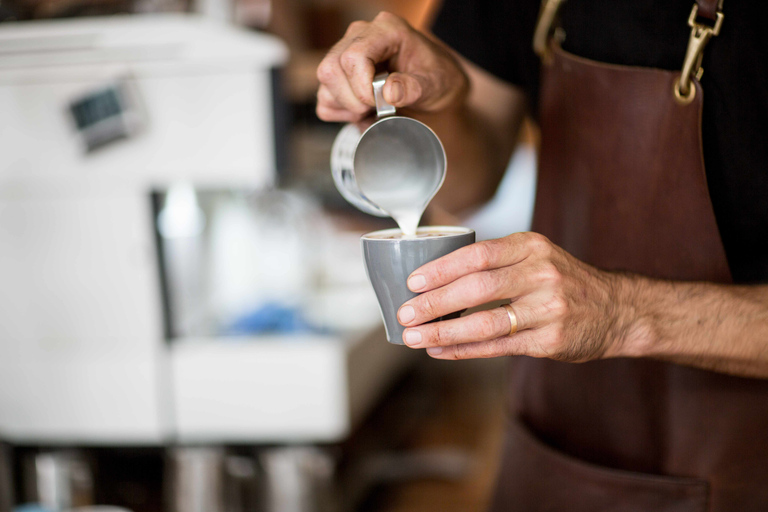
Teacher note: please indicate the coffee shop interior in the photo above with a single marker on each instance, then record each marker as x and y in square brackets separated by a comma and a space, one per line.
[186, 324]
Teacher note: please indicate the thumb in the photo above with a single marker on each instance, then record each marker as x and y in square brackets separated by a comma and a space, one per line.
[404, 89]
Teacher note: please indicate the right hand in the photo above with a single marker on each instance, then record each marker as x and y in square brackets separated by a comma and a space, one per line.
[424, 75]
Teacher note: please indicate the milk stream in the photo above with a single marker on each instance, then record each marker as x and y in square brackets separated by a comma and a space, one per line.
[408, 220]
[405, 206]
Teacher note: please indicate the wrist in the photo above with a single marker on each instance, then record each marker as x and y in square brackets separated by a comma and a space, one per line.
[634, 333]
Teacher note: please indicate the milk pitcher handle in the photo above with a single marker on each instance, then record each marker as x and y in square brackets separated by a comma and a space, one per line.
[382, 149]
[383, 109]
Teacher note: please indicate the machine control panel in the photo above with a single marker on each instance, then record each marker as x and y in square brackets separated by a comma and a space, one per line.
[106, 114]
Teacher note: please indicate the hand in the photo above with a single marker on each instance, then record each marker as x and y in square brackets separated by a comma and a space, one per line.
[565, 309]
[424, 75]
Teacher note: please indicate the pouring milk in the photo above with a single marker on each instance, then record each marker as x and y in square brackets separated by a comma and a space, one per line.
[399, 183]
[394, 167]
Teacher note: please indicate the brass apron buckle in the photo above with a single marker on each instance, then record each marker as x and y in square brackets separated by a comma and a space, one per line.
[700, 35]
[545, 27]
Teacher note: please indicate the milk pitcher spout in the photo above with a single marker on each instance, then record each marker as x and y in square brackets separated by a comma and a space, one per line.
[379, 165]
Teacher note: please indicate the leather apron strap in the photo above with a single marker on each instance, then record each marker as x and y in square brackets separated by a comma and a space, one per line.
[622, 186]
[622, 183]
[709, 8]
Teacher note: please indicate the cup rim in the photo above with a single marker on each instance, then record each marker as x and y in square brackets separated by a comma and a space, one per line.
[454, 231]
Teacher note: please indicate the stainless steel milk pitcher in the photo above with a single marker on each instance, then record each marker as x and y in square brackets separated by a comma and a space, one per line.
[394, 157]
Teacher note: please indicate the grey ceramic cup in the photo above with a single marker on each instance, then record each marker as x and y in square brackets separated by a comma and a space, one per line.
[389, 262]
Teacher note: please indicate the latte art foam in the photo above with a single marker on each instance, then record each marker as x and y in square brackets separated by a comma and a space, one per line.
[402, 236]
[422, 233]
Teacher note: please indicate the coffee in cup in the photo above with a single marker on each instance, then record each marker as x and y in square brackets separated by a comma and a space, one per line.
[390, 257]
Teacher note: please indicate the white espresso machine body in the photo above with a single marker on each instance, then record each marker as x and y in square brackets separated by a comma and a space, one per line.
[98, 113]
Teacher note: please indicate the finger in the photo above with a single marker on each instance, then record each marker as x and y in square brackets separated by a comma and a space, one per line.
[333, 78]
[480, 326]
[336, 115]
[380, 41]
[328, 109]
[521, 343]
[335, 84]
[418, 91]
[534, 311]
[327, 99]
[477, 257]
[404, 89]
[466, 292]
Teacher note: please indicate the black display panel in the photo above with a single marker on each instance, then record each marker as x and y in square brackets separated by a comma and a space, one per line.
[96, 107]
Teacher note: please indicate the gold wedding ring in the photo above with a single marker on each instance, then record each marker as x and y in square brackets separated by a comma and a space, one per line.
[512, 319]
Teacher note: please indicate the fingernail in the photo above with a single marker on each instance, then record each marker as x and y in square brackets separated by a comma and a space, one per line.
[396, 92]
[406, 314]
[412, 338]
[435, 351]
[417, 282]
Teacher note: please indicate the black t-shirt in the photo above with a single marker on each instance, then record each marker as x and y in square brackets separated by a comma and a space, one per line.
[497, 36]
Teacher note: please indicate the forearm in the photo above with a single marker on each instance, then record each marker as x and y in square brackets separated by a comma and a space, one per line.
[716, 327]
[477, 159]
[476, 114]
[479, 137]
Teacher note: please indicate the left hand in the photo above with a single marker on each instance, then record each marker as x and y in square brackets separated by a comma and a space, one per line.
[565, 309]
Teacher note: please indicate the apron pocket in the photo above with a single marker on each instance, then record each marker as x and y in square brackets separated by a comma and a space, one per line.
[536, 477]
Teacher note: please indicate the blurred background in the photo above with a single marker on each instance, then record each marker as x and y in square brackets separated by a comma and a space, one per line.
[185, 320]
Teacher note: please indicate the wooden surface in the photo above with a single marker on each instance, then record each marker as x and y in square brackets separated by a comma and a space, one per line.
[467, 415]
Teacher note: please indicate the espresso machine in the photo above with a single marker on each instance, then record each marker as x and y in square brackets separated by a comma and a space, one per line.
[133, 150]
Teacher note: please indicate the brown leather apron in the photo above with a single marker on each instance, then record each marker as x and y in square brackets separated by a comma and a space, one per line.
[622, 186]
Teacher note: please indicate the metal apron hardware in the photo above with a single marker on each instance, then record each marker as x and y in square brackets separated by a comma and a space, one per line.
[622, 186]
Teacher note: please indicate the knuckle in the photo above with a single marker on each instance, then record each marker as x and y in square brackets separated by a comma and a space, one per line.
[461, 351]
[439, 337]
[429, 304]
[326, 70]
[495, 348]
[478, 350]
[550, 274]
[521, 343]
[388, 17]
[440, 273]
[356, 27]
[558, 306]
[351, 56]
[486, 285]
[539, 243]
[487, 327]
[482, 255]
[401, 28]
